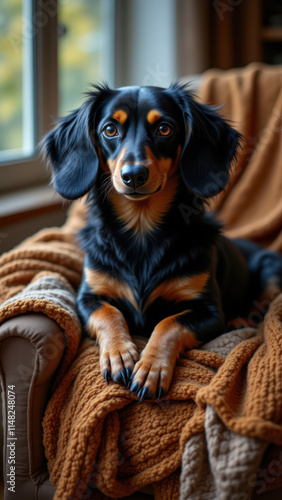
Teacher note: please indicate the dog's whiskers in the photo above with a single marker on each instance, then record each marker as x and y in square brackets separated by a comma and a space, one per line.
[106, 187]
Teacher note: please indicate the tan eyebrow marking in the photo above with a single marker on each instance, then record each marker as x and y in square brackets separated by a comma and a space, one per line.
[120, 116]
[153, 116]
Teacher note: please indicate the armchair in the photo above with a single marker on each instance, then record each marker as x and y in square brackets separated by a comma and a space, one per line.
[33, 341]
[31, 348]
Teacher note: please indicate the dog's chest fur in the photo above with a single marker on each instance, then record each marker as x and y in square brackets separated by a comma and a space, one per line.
[146, 274]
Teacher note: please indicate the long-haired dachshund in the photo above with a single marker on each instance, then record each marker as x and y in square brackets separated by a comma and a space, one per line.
[155, 264]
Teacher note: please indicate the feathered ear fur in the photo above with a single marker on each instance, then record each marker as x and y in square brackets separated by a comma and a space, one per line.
[71, 151]
[211, 146]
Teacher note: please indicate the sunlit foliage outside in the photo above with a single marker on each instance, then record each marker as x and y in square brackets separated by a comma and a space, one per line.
[79, 54]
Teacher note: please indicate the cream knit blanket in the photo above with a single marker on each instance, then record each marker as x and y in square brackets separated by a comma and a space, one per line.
[217, 463]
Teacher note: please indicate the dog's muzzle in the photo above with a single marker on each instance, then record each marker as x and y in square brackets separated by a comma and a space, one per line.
[134, 176]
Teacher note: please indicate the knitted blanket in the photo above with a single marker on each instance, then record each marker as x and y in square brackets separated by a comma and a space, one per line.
[41, 275]
[107, 440]
[100, 435]
[225, 397]
[251, 98]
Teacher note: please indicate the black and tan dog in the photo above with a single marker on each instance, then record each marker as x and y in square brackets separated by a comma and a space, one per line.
[155, 264]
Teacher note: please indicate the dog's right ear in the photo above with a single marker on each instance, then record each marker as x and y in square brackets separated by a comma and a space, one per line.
[71, 151]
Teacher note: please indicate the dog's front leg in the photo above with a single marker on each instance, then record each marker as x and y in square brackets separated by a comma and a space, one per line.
[118, 353]
[153, 373]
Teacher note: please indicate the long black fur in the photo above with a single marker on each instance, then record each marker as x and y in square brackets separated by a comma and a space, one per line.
[186, 242]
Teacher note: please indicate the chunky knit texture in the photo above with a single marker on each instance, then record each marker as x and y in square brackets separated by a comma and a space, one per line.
[41, 275]
[217, 463]
[108, 439]
[99, 438]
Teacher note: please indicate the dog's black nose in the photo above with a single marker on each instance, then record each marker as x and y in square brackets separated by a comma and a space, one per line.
[134, 175]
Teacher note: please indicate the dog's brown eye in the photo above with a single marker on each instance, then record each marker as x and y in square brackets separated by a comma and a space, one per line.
[110, 130]
[164, 129]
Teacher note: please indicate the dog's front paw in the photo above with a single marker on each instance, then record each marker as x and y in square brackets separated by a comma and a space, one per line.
[117, 361]
[152, 375]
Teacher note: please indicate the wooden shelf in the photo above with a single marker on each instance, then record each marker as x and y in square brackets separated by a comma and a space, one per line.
[271, 34]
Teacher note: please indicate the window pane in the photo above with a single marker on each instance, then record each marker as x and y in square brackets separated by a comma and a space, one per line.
[16, 79]
[86, 34]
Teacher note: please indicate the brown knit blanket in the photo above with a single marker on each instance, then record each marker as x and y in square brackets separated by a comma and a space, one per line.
[41, 275]
[107, 439]
[225, 397]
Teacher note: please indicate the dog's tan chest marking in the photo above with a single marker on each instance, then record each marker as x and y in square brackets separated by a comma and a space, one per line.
[180, 289]
[102, 283]
[144, 216]
[173, 290]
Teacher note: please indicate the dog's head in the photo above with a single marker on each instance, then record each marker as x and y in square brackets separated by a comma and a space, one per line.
[141, 137]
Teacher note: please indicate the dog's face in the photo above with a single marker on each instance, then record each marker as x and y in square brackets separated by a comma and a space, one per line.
[141, 133]
[141, 137]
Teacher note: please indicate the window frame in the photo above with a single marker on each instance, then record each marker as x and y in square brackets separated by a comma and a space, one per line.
[29, 171]
[25, 172]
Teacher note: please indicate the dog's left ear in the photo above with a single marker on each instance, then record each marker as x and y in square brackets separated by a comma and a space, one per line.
[72, 154]
[71, 151]
[210, 147]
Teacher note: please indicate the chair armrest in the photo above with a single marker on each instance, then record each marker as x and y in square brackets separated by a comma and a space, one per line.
[31, 348]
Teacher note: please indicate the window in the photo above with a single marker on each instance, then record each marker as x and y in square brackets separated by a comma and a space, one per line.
[49, 52]
[17, 119]
[85, 51]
